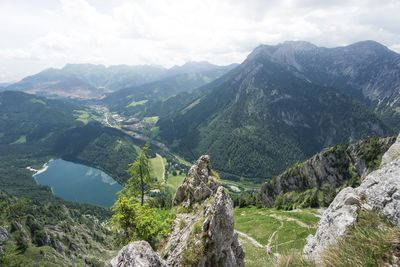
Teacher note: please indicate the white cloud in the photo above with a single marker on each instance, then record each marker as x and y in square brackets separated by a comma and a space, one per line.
[45, 33]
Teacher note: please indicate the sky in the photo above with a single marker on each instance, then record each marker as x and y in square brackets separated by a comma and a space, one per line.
[39, 34]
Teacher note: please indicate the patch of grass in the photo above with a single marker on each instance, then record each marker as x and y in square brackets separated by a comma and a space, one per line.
[82, 115]
[195, 247]
[33, 256]
[372, 241]
[20, 140]
[293, 259]
[158, 167]
[137, 103]
[152, 120]
[255, 256]
[174, 182]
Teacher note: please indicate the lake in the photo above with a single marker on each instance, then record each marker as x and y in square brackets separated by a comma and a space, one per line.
[79, 183]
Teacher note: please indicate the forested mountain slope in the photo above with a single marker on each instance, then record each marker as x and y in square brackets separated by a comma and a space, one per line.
[261, 117]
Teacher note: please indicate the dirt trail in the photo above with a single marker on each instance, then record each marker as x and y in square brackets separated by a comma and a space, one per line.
[268, 247]
[289, 219]
[163, 168]
[252, 240]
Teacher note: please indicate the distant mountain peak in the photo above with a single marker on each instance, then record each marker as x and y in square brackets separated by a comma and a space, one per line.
[368, 46]
[298, 45]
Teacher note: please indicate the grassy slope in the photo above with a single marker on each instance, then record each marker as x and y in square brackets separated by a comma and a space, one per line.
[174, 182]
[288, 229]
[158, 167]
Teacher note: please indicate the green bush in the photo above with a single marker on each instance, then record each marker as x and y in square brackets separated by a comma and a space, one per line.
[132, 221]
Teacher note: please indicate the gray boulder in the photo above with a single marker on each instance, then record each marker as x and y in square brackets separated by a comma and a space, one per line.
[341, 214]
[137, 254]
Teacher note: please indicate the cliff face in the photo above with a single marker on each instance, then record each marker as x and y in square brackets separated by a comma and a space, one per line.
[203, 232]
[379, 191]
[335, 167]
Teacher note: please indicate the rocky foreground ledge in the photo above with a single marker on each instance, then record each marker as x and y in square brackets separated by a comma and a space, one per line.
[379, 191]
[203, 231]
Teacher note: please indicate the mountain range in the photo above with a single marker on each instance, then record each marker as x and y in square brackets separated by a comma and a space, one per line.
[283, 104]
[89, 81]
[286, 102]
[367, 70]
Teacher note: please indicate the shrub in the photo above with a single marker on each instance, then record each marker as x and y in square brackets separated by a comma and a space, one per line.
[132, 221]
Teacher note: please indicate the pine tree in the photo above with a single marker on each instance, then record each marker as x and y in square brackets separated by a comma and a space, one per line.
[140, 175]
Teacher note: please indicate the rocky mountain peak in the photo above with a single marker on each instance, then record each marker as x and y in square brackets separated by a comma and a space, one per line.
[198, 185]
[298, 45]
[379, 191]
[367, 46]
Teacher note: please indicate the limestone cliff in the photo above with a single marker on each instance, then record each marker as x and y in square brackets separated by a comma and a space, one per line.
[342, 165]
[379, 191]
[203, 234]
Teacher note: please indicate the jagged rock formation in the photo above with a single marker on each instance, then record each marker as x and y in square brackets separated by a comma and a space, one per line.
[379, 191]
[137, 254]
[204, 234]
[197, 185]
[336, 167]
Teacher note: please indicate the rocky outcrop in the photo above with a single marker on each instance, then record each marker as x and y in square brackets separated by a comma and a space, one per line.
[392, 153]
[203, 231]
[197, 185]
[203, 235]
[379, 191]
[336, 166]
[137, 254]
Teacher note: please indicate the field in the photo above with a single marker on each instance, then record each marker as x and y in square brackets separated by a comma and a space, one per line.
[85, 116]
[158, 167]
[278, 232]
[158, 164]
[150, 120]
[174, 182]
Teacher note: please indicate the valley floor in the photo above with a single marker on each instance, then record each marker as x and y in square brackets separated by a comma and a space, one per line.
[268, 233]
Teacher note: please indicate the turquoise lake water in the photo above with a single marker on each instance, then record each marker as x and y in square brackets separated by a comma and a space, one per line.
[79, 183]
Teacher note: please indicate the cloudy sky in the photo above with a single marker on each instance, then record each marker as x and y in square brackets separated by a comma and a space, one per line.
[50, 33]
